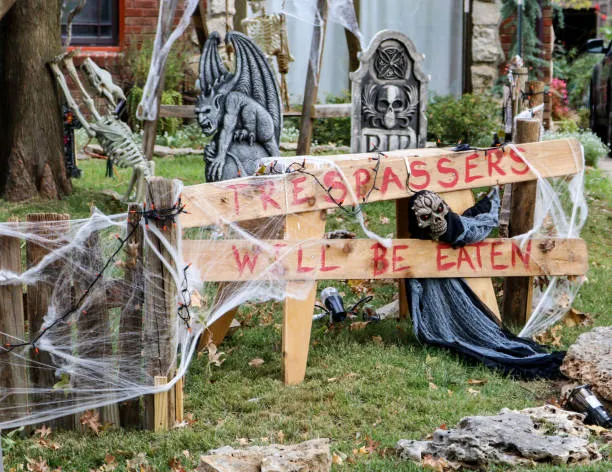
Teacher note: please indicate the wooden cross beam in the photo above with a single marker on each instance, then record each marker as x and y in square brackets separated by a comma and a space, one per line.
[5, 6]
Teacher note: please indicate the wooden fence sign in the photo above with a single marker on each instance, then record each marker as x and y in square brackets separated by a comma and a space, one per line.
[396, 175]
[337, 259]
[400, 174]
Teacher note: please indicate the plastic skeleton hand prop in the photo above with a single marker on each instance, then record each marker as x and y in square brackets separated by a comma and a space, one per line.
[431, 218]
[113, 134]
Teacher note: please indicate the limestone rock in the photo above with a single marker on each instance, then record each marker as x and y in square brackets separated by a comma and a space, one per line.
[589, 361]
[508, 438]
[486, 13]
[309, 456]
[483, 77]
[485, 45]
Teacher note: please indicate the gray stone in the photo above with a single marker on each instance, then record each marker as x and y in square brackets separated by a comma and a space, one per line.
[389, 96]
[589, 361]
[508, 438]
[483, 77]
[309, 456]
[485, 45]
[486, 13]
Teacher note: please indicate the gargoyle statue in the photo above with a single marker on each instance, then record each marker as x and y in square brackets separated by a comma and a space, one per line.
[242, 109]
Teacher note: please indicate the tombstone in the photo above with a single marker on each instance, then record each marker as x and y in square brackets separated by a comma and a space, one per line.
[389, 96]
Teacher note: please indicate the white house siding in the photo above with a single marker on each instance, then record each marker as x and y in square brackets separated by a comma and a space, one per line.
[435, 27]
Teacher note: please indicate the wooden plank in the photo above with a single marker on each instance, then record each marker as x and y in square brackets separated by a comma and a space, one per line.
[160, 340]
[130, 324]
[160, 401]
[198, 20]
[320, 111]
[436, 170]
[180, 400]
[518, 292]
[12, 374]
[312, 77]
[51, 227]
[332, 259]
[297, 314]
[5, 6]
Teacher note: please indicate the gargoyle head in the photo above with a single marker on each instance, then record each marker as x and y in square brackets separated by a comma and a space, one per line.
[209, 111]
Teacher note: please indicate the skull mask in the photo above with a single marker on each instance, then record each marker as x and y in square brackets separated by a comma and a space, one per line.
[391, 100]
[430, 211]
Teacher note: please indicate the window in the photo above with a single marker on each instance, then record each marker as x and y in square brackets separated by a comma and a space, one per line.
[97, 24]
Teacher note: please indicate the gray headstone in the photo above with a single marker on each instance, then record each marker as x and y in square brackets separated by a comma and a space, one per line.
[389, 96]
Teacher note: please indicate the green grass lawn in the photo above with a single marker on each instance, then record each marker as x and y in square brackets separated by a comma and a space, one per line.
[369, 387]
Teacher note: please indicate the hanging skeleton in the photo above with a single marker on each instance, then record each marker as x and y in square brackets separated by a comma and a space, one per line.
[114, 135]
[446, 313]
[269, 32]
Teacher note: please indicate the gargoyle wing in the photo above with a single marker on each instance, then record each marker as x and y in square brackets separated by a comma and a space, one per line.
[254, 77]
[212, 69]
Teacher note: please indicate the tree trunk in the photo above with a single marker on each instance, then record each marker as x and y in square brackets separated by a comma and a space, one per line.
[31, 136]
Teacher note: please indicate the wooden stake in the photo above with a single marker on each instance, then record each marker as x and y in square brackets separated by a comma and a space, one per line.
[312, 79]
[161, 300]
[160, 401]
[518, 290]
[12, 375]
[130, 325]
[297, 315]
[179, 405]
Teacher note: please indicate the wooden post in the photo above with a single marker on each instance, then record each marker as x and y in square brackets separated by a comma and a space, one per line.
[518, 290]
[198, 20]
[12, 375]
[161, 301]
[520, 77]
[50, 226]
[179, 405]
[352, 41]
[312, 80]
[160, 401]
[93, 322]
[150, 127]
[297, 314]
[130, 324]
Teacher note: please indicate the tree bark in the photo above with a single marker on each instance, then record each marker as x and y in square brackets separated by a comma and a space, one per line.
[31, 135]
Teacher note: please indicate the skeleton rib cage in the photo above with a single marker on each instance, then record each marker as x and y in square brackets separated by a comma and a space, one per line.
[114, 135]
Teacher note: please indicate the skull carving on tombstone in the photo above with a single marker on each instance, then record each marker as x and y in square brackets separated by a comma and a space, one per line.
[430, 211]
[391, 101]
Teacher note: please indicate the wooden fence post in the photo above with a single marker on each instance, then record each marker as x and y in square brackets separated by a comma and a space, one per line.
[312, 80]
[518, 290]
[130, 326]
[161, 302]
[50, 226]
[12, 320]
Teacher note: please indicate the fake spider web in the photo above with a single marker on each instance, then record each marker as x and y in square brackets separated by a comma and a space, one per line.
[109, 320]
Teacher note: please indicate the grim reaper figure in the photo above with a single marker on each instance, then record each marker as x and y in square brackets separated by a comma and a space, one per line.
[241, 109]
[446, 313]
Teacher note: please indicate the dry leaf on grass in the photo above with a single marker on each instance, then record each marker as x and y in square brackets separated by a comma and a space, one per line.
[377, 339]
[433, 386]
[256, 362]
[243, 441]
[438, 464]
[43, 431]
[477, 381]
[280, 436]
[214, 357]
[577, 318]
[473, 391]
[39, 465]
[138, 463]
[384, 220]
[551, 337]
[358, 325]
[337, 458]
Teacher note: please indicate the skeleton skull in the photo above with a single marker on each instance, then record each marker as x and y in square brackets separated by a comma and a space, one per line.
[430, 211]
[391, 100]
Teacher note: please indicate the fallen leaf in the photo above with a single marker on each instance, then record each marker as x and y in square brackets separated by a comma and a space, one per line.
[256, 362]
[43, 431]
[280, 436]
[450, 392]
[477, 381]
[358, 325]
[551, 336]
[243, 441]
[138, 463]
[596, 429]
[332, 379]
[433, 386]
[337, 459]
[91, 419]
[377, 339]
[214, 357]
[362, 451]
[473, 391]
[577, 318]
[39, 465]
[175, 465]
[196, 299]
[384, 220]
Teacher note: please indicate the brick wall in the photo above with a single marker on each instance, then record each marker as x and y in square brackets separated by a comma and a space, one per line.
[140, 19]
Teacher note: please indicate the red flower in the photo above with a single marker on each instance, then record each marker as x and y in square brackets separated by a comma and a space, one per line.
[596, 7]
[604, 17]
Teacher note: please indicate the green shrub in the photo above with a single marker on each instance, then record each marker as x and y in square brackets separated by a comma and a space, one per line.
[164, 125]
[576, 70]
[594, 148]
[470, 119]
